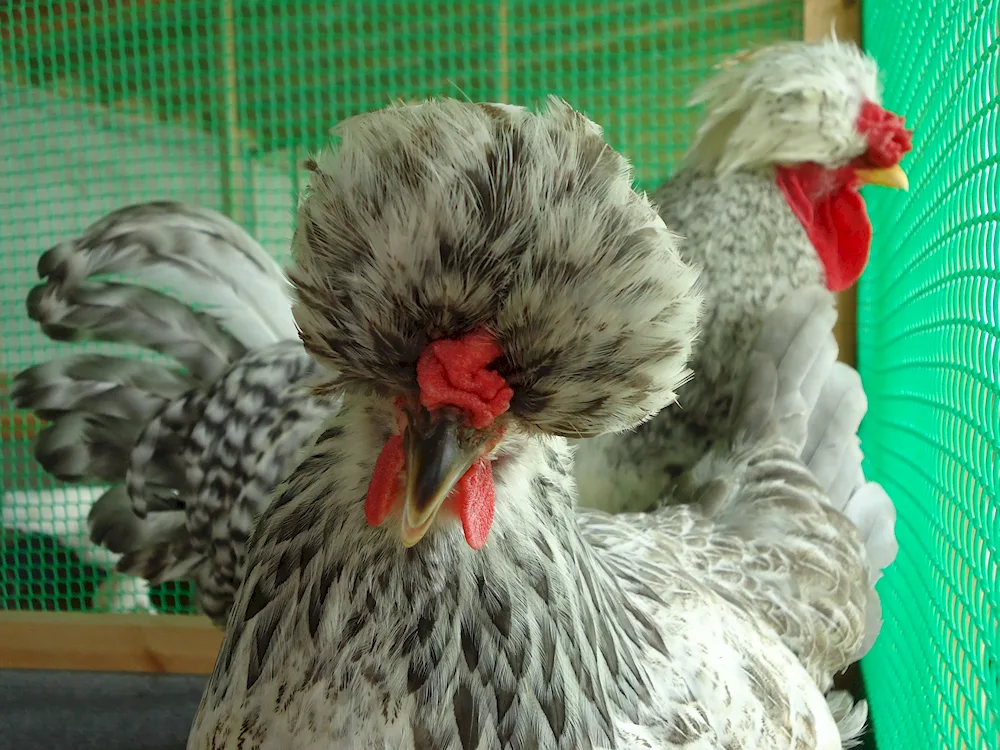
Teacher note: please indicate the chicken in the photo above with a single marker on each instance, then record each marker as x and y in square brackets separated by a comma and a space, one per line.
[767, 201]
[483, 284]
[190, 453]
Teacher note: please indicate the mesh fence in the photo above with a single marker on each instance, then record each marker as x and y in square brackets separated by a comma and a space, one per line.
[929, 351]
[217, 102]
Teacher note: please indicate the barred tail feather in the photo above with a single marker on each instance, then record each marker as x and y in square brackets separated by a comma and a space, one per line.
[119, 313]
[97, 384]
[199, 254]
[97, 407]
[157, 467]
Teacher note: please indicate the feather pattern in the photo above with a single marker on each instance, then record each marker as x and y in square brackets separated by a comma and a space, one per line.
[194, 252]
[236, 439]
[125, 314]
[192, 452]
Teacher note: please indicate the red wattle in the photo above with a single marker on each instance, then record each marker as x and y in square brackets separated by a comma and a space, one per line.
[836, 220]
[474, 502]
[383, 490]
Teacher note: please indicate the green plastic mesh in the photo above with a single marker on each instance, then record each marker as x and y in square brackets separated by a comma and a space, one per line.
[929, 352]
[217, 103]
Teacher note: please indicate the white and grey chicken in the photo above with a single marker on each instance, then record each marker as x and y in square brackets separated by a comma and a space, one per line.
[767, 201]
[191, 451]
[482, 284]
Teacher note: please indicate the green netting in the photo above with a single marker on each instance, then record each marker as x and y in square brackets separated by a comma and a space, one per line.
[929, 351]
[105, 104]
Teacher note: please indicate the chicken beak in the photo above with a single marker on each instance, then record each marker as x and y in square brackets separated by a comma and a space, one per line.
[890, 177]
[435, 462]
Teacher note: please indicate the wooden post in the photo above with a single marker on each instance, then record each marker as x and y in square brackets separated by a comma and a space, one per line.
[236, 193]
[818, 18]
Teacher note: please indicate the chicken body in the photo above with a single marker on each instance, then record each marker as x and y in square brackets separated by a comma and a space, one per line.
[565, 631]
[191, 451]
[629, 470]
[716, 623]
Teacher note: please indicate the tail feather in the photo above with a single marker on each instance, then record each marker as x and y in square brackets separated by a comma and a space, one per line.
[834, 457]
[80, 447]
[113, 525]
[832, 450]
[830, 447]
[186, 283]
[97, 407]
[197, 253]
[79, 383]
[802, 457]
[851, 717]
[149, 477]
[119, 313]
[169, 560]
[873, 512]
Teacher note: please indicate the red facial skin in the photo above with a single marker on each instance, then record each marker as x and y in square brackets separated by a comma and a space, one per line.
[827, 202]
[450, 373]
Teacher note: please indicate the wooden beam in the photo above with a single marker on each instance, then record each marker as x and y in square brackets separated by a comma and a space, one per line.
[164, 644]
[236, 192]
[818, 18]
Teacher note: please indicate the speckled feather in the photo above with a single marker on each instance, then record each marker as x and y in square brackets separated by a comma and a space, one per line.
[568, 629]
[199, 447]
[786, 103]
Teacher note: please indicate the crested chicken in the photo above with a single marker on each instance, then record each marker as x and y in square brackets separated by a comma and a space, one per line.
[767, 201]
[481, 285]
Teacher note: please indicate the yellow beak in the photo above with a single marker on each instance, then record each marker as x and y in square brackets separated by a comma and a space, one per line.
[890, 177]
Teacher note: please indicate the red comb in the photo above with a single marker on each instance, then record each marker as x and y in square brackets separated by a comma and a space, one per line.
[887, 136]
[452, 372]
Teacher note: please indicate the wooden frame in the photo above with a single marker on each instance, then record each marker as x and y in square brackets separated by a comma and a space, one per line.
[168, 644]
[818, 17]
[189, 644]
[844, 16]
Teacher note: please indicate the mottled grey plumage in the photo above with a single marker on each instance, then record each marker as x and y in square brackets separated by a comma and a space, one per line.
[191, 453]
[570, 628]
[786, 104]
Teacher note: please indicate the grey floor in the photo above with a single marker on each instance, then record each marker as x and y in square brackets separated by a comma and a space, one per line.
[84, 710]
